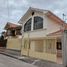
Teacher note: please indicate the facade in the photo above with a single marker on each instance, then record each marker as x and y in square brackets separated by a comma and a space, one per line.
[42, 32]
[13, 34]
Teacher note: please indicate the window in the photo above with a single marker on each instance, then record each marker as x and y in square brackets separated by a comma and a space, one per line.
[38, 22]
[27, 26]
[12, 32]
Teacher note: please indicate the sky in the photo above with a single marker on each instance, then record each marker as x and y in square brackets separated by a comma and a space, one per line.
[13, 10]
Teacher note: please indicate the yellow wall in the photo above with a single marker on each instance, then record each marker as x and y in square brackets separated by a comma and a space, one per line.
[49, 26]
[41, 54]
[14, 43]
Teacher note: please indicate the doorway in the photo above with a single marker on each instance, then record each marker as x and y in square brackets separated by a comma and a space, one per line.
[59, 51]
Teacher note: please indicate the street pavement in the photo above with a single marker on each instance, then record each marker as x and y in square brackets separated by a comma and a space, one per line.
[6, 61]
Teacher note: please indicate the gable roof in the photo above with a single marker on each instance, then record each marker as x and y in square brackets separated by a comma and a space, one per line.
[29, 11]
[48, 13]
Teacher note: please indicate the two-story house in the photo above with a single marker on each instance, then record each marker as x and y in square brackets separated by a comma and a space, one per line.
[42, 32]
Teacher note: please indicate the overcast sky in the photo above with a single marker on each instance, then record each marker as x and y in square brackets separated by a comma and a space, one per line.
[17, 8]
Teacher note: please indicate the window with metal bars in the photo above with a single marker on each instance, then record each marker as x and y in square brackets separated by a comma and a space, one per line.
[27, 26]
[38, 22]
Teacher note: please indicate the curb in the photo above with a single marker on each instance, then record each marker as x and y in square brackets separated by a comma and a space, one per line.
[9, 55]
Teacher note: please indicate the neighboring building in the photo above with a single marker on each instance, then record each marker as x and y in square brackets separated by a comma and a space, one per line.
[13, 29]
[13, 35]
[42, 32]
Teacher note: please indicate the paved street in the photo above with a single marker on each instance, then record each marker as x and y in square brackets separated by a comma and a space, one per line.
[6, 61]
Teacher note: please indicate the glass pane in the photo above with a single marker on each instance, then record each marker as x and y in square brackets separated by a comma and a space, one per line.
[27, 26]
[38, 22]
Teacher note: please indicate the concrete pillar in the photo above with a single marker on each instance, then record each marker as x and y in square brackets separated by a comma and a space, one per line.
[45, 45]
[64, 48]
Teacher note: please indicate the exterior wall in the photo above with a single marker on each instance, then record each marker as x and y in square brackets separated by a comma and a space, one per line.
[43, 55]
[40, 53]
[14, 43]
[49, 26]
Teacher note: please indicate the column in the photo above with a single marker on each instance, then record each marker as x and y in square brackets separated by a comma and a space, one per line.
[44, 45]
[64, 48]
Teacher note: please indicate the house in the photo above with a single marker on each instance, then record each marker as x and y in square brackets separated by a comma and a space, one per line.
[42, 31]
[13, 35]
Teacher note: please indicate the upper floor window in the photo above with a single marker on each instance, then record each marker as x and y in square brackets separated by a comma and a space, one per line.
[38, 22]
[27, 26]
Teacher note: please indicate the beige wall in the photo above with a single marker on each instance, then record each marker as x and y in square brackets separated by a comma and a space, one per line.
[38, 50]
[39, 46]
[14, 43]
[46, 45]
[49, 26]
[43, 56]
[32, 45]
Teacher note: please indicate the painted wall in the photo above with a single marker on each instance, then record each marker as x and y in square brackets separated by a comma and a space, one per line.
[44, 53]
[49, 26]
[14, 43]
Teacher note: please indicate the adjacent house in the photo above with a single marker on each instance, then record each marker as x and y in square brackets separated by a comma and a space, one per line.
[13, 35]
[42, 31]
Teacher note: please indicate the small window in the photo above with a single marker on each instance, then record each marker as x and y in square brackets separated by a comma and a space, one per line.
[38, 23]
[59, 46]
[27, 26]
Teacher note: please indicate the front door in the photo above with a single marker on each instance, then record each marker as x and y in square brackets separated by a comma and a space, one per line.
[59, 49]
